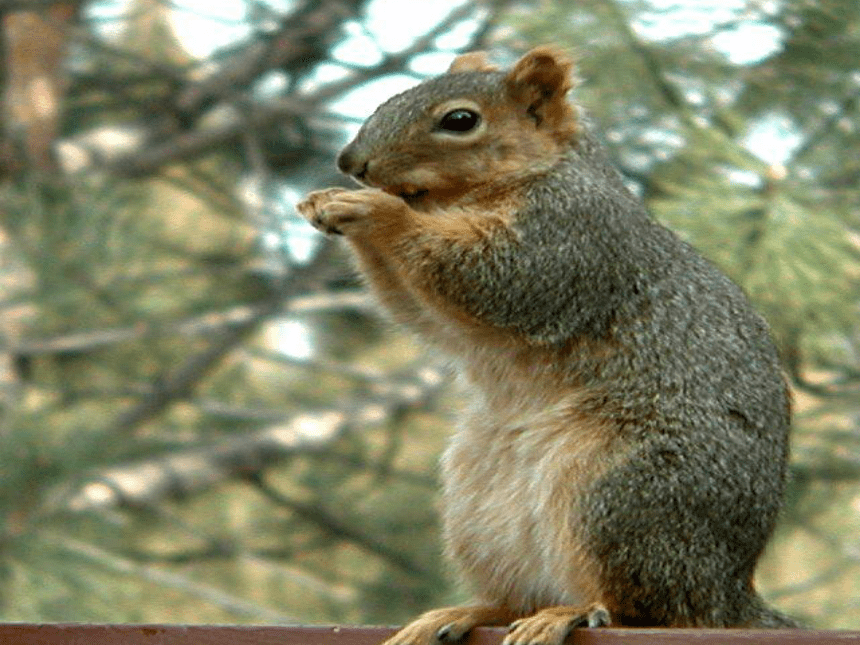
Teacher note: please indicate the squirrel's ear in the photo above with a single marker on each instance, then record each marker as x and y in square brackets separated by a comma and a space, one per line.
[539, 81]
[471, 62]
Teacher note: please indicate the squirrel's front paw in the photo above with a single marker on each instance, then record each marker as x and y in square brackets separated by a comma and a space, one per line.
[340, 211]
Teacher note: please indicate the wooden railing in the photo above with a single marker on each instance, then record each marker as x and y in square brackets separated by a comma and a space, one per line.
[77, 634]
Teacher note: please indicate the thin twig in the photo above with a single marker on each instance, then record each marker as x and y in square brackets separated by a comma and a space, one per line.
[117, 564]
[342, 530]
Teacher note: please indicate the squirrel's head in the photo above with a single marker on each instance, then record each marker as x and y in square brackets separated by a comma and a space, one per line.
[467, 128]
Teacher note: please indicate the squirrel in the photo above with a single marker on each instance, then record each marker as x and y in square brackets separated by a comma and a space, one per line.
[624, 457]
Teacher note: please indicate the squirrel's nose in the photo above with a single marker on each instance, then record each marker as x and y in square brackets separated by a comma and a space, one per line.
[350, 164]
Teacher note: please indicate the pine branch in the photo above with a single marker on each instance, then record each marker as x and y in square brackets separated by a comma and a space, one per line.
[34, 5]
[211, 323]
[182, 382]
[221, 550]
[187, 145]
[835, 471]
[810, 584]
[342, 530]
[112, 562]
[717, 129]
[300, 42]
[193, 471]
[814, 139]
[671, 95]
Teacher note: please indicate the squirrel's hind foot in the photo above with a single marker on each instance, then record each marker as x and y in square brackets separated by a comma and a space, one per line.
[552, 625]
[449, 625]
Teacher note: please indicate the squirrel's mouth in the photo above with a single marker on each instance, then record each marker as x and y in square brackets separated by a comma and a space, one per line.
[412, 195]
[407, 193]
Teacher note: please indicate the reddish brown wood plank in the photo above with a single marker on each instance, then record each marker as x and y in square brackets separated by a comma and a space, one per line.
[74, 634]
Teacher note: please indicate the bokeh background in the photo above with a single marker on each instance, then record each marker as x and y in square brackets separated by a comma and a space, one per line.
[203, 419]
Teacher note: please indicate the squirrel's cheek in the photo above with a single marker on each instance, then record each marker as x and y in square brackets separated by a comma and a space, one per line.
[413, 180]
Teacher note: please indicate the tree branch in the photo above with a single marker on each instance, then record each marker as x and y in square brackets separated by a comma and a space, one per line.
[192, 471]
[300, 42]
[339, 529]
[671, 95]
[187, 145]
[106, 560]
[182, 382]
[214, 322]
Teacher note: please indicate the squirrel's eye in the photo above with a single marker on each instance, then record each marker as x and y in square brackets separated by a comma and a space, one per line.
[460, 120]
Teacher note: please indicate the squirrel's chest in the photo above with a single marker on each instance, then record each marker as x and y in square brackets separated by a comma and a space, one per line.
[511, 502]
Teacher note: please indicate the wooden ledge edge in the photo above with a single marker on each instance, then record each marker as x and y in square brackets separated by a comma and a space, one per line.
[123, 634]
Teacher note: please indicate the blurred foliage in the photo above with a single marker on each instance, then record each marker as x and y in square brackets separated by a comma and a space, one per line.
[201, 417]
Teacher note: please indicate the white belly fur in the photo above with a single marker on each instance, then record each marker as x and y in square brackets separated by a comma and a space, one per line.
[511, 488]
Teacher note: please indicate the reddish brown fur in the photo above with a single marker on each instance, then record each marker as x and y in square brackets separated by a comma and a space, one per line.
[541, 79]
[471, 62]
